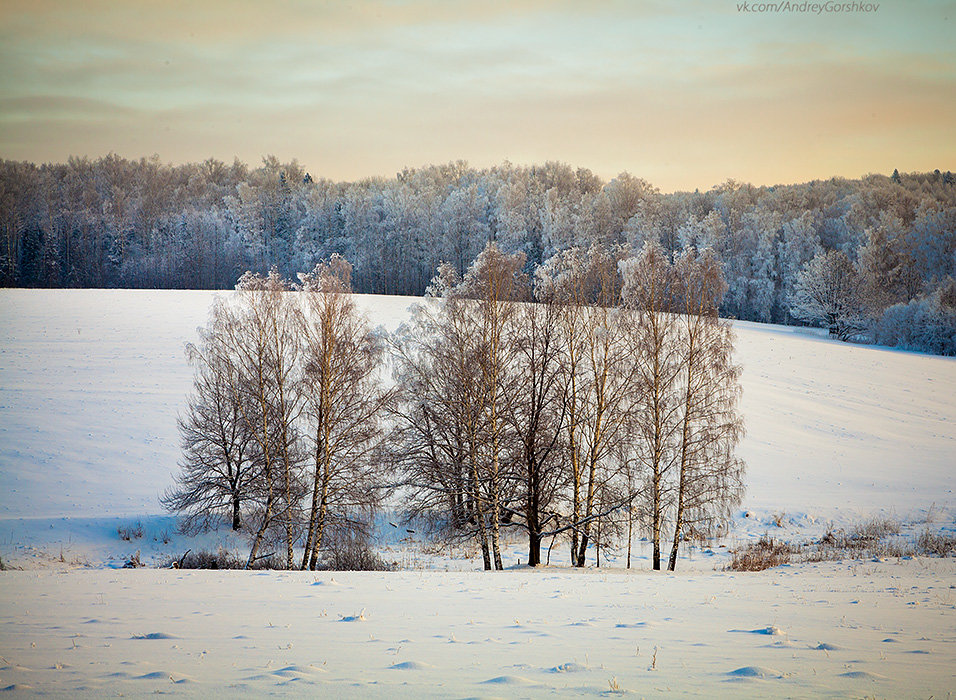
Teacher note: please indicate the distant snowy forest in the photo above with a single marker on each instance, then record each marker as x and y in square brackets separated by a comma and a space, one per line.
[873, 259]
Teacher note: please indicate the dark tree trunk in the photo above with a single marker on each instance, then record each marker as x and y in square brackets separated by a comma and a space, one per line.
[485, 554]
[534, 547]
[236, 522]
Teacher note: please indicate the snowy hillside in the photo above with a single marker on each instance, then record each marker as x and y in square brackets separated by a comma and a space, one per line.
[90, 386]
[91, 383]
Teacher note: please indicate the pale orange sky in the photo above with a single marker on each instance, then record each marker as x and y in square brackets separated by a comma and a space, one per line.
[684, 95]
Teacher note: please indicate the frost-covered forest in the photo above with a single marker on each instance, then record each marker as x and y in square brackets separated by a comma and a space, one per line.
[870, 258]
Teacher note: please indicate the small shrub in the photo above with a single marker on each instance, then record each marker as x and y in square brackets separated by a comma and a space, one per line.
[130, 532]
[932, 544]
[222, 559]
[349, 550]
[874, 538]
[878, 538]
[875, 529]
[765, 553]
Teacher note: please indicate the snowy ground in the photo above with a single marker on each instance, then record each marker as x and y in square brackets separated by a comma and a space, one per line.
[90, 385]
[849, 630]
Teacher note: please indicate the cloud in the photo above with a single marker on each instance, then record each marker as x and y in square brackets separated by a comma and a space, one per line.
[683, 95]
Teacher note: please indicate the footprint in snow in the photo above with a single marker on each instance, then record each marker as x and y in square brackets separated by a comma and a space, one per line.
[771, 630]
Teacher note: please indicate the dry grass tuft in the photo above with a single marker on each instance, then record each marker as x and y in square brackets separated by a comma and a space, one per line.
[933, 544]
[765, 553]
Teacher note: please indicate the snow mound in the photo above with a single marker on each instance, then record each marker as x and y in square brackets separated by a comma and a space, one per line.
[569, 667]
[411, 666]
[153, 676]
[824, 646]
[154, 635]
[864, 675]
[781, 644]
[755, 672]
[296, 671]
[509, 680]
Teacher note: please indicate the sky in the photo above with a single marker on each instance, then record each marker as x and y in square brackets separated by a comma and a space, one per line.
[683, 94]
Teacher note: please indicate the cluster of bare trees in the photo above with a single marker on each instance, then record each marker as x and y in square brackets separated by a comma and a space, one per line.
[281, 431]
[596, 398]
[599, 396]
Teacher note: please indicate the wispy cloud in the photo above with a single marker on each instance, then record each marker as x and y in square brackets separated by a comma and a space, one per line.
[683, 94]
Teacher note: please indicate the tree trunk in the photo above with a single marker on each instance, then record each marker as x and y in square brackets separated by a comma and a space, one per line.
[314, 510]
[236, 523]
[485, 553]
[480, 518]
[320, 530]
[534, 547]
[656, 520]
[496, 519]
[496, 546]
[582, 550]
[630, 536]
[532, 517]
[672, 562]
[266, 519]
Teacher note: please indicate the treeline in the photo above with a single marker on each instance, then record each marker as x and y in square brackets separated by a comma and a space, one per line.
[119, 223]
[593, 400]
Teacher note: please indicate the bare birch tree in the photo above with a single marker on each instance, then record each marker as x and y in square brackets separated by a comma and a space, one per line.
[220, 466]
[648, 282]
[598, 376]
[708, 473]
[439, 435]
[535, 413]
[686, 426]
[493, 285]
[260, 329]
[343, 402]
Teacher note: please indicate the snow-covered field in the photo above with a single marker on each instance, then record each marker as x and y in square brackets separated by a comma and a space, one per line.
[90, 386]
[850, 630]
